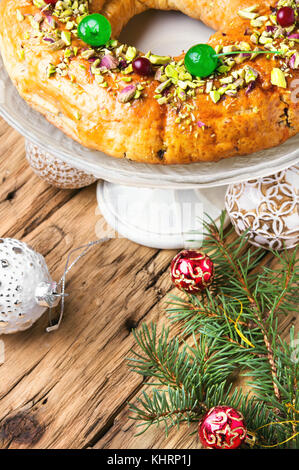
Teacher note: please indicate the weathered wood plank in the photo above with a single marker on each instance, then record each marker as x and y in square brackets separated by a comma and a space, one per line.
[74, 380]
[75, 383]
[123, 432]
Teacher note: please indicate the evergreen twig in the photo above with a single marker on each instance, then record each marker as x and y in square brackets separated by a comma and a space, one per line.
[194, 371]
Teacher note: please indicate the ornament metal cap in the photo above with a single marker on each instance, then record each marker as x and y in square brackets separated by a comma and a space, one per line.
[250, 438]
[48, 294]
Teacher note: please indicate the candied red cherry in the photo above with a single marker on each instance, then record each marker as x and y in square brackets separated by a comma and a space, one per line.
[142, 66]
[286, 16]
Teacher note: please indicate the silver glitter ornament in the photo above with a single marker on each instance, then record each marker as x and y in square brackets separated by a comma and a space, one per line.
[26, 287]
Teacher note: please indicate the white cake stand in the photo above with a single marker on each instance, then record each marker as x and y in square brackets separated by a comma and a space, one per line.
[152, 205]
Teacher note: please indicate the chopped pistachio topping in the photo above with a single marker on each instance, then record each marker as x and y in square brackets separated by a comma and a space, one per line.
[250, 74]
[176, 87]
[249, 13]
[131, 53]
[39, 3]
[21, 54]
[51, 70]
[20, 17]
[278, 78]
[88, 53]
[68, 9]
[215, 96]
[55, 46]
[159, 59]
[66, 37]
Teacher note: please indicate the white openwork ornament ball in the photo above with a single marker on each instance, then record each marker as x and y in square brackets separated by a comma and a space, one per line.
[23, 277]
[268, 207]
[55, 171]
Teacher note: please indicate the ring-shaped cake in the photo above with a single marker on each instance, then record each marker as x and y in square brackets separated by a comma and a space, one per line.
[162, 115]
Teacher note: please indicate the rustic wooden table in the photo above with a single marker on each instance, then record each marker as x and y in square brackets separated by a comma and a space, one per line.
[70, 389]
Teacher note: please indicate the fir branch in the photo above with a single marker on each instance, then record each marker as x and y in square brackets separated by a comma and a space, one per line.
[194, 371]
[161, 358]
[171, 407]
[241, 272]
[273, 368]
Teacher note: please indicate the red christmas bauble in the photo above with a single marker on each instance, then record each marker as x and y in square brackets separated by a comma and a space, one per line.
[192, 271]
[222, 427]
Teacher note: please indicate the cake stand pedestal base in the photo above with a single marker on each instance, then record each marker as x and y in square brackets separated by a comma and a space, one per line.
[159, 218]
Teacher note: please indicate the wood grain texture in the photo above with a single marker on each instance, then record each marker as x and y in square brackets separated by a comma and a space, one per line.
[70, 389]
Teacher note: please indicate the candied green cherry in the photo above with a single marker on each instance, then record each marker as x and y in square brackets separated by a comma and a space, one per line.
[95, 30]
[201, 60]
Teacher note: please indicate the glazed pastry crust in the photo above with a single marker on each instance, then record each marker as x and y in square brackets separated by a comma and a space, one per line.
[145, 131]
